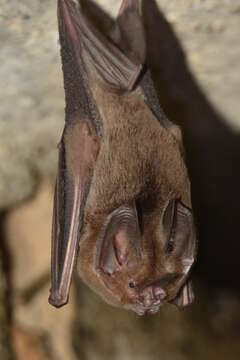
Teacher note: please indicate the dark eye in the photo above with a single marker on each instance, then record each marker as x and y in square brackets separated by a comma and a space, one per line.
[132, 284]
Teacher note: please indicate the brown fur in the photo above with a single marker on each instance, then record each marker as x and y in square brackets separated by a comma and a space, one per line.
[139, 160]
[132, 161]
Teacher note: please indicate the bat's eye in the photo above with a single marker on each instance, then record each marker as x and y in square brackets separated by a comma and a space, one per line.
[132, 284]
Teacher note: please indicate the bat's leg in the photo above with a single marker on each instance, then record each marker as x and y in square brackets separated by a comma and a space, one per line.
[78, 152]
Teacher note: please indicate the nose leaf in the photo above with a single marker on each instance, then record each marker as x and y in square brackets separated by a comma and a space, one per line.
[152, 295]
[159, 292]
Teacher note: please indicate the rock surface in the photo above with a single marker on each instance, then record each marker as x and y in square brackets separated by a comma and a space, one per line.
[31, 111]
[209, 32]
[28, 234]
[31, 121]
[89, 329]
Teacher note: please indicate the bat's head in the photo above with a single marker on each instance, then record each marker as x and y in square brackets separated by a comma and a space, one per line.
[142, 261]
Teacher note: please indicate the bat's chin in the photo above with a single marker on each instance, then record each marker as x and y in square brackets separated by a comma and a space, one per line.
[141, 309]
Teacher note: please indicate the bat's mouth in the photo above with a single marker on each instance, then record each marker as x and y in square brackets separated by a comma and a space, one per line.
[141, 309]
[149, 300]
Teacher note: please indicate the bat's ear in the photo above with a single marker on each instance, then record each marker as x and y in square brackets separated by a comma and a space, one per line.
[78, 151]
[185, 297]
[181, 245]
[128, 32]
[100, 57]
[180, 232]
[119, 244]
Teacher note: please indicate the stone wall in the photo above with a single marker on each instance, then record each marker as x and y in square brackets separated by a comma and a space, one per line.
[31, 112]
[193, 52]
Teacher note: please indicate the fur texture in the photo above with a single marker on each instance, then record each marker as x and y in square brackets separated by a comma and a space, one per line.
[123, 194]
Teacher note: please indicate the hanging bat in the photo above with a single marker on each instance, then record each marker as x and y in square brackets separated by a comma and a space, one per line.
[122, 208]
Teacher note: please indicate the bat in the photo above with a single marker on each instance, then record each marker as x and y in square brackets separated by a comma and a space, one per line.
[122, 207]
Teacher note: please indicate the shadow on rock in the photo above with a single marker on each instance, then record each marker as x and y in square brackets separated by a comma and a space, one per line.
[212, 147]
[212, 150]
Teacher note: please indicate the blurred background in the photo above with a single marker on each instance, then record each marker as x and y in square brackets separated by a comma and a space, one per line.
[194, 55]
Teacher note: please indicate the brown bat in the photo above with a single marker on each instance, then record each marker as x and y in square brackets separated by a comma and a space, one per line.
[122, 201]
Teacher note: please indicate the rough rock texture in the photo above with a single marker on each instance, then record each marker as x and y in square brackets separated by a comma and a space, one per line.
[31, 121]
[209, 33]
[88, 329]
[28, 234]
[203, 332]
[31, 111]
[28, 345]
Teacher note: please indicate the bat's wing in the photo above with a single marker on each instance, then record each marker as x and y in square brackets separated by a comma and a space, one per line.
[78, 151]
[103, 60]
[129, 35]
[87, 56]
[128, 31]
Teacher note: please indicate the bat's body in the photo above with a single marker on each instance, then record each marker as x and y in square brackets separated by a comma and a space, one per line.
[122, 199]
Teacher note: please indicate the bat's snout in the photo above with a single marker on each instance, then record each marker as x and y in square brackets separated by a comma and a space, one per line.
[152, 295]
[150, 299]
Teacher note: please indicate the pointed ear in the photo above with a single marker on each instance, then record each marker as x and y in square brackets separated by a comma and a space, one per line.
[119, 244]
[77, 154]
[128, 32]
[180, 233]
[185, 297]
[181, 244]
[103, 60]
[185, 236]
